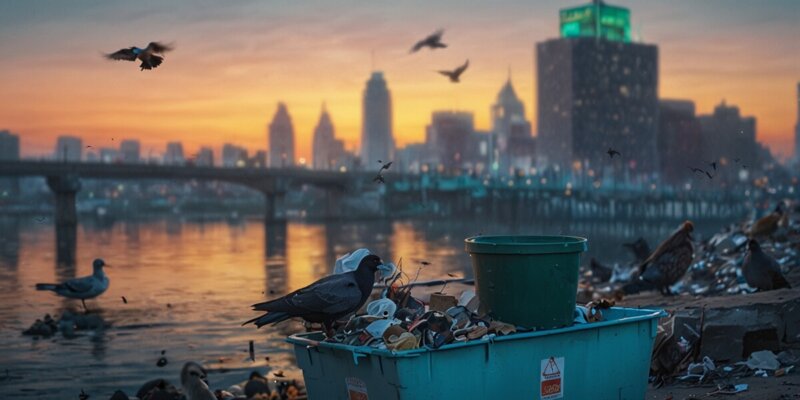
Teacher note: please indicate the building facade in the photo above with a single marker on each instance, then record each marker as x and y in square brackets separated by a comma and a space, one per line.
[328, 152]
[205, 157]
[233, 156]
[729, 137]
[448, 139]
[680, 141]
[597, 92]
[174, 154]
[797, 131]
[512, 144]
[281, 139]
[377, 138]
[68, 148]
[9, 151]
[130, 151]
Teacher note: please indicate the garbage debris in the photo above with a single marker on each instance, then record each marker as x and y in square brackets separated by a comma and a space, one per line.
[763, 359]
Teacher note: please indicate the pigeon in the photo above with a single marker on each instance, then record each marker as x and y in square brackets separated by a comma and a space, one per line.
[600, 272]
[256, 384]
[434, 41]
[147, 55]
[456, 73]
[639, 248]
[325, 300]
[762, 271]
[379, 178]
[611, 153]
[194, 383]
[670, 260]
[768, 224]
[385, 166]
[87, 287]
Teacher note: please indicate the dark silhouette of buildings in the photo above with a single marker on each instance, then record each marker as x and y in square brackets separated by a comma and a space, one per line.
[130, 151]
[204, 157]
[512, 145]
[377, 140]
[680, 140]
[328, 152]
[9, 151]
[281, 139]
[729, 136]
[68, 148]
[597, 91]
[233, 156]
[797, 130]
[174, 154]
[449, 139]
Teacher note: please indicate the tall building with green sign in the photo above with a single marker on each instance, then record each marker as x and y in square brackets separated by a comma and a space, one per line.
[596, 20]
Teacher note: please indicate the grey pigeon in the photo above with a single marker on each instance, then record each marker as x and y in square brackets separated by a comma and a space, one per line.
[455, 74]
[193, 381]
[84, 288]
[146, 55]
[325, 300]
[762, 271]
[434, 41]
[670, 260]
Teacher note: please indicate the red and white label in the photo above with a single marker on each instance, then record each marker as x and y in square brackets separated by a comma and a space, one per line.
[356, 389]
[552, 379]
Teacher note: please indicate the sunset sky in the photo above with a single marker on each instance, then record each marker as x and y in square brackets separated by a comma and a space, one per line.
[235, 60]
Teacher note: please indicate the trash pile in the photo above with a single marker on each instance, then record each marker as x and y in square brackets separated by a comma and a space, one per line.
[717, 265]
[398, 321]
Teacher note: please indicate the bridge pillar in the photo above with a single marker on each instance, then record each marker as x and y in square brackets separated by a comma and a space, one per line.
[64, 188]
[274, 202]
[333, 204]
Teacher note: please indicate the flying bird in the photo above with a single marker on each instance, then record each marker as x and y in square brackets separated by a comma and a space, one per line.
[379, 178]
[611, 153]
[434, 41]
[455, 74]
[708, 174]
[768, 224]
[385, 166]
[670, 260]
[194, 382]
[147, 55]
[713, 165]
[87, 287]
[326, 300]
[762, 271]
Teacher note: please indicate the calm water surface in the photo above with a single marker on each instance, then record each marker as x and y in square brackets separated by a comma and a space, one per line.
[189, 286]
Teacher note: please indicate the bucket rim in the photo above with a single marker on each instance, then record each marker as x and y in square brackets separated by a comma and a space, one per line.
[525, 244]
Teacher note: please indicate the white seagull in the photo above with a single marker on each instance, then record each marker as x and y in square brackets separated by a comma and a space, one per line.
[193, 380]
[87, 287]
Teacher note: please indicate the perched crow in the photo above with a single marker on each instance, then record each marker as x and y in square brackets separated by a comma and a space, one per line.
[611, 153]
[760, 270]
[670, 260]
[768, 224]
[455, 74]
[639, 248]
[87, 287]
[434, 41]
[147, 55]
[325, 300]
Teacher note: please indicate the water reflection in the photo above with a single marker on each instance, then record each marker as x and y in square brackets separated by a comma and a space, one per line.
[189, 286]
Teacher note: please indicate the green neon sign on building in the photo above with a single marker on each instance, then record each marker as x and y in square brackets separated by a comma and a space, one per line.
[596, 20]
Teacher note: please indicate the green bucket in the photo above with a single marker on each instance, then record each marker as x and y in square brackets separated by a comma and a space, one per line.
[530, 281]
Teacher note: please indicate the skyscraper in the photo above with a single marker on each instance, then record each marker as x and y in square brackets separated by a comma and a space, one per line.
[680, 140]
[281, 139]
[511, 132]
[174, 154]
[323, 139]
[448, 138]
[596, 91]
[130, 151]
[233, 156]
[9, 151]
[205, 157]
[797, 129]
[377, 140]
[729, 136]
[68, 148]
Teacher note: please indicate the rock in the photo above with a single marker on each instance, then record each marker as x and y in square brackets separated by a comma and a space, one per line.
[764, 359]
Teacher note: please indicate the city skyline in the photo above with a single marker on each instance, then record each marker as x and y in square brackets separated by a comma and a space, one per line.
[711, 51]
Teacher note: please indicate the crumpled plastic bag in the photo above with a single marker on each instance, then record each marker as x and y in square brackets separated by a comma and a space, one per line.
[382, 308]
[349, 262]
[763, 359]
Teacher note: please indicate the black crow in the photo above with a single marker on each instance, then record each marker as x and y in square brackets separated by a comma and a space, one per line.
[611, 153]
[325, 300]
[385, 166]
[146, 55]
[434, 41]
[713, 165]
[762, 271]
[379, 178]
[455, 74]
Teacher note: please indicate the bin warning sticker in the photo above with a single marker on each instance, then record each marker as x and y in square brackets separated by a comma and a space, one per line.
[552, 378]
[356, 389]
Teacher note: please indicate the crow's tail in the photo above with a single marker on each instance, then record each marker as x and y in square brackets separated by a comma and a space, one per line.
[269, 318]
[46, 286]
